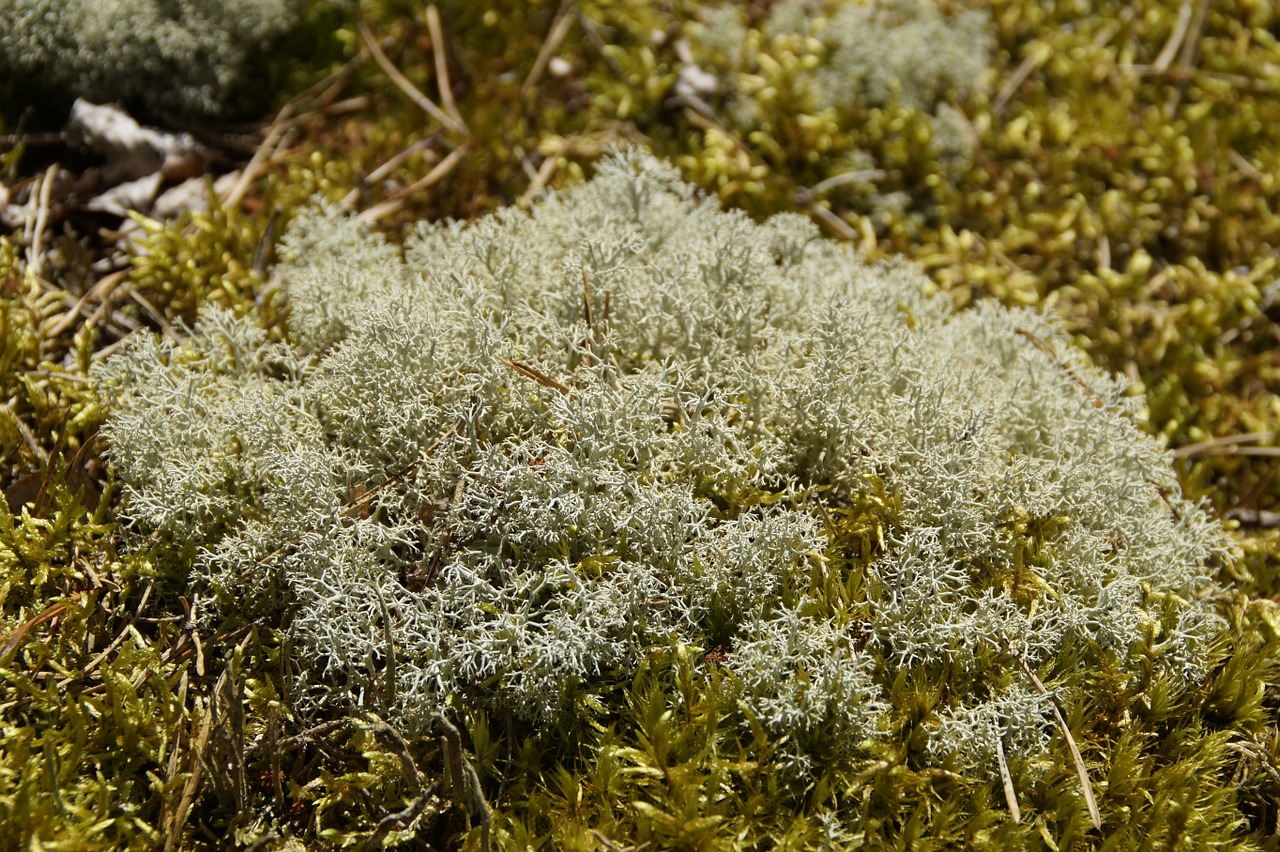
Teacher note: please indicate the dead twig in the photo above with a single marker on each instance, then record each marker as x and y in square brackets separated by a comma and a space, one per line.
[464, 783]
[422, 793]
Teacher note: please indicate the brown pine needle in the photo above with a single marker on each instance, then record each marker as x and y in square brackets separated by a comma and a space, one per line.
[1010, 794]
[1085, 786]
[1036, 57]
[19, 633]
[1172, 46]
[535, 374]
[559, 29]
[1228, 445]
[403, 84]
[395, 202]
[442, 66]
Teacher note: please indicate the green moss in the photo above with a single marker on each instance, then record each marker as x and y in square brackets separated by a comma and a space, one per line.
[1086, 161]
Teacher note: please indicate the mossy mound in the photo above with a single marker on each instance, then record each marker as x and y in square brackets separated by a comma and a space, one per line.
[1149, 230]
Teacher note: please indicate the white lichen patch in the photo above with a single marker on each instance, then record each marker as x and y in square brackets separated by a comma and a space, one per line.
[504, 470]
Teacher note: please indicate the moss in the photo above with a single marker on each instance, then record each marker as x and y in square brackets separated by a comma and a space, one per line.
[1187, 213]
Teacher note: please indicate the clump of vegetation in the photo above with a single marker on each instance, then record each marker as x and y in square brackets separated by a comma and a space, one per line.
[189, 57]
[1149, 231]
[498, 477]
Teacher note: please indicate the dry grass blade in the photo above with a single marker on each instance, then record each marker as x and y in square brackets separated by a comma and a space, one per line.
[273, 141]
[1085, 785]
[119, 640]
[559, 29]
[151, 311]
[1038, 56]
[1175, 39]
[1231, 442]
[100, 292]
[544, 174]
[403, 84]
[1006, 779]
[535, 374]
[14, 639]
[1171, 46]
[836, 224]
[27, 435]
[173, 827]
[36, 250]
[857, 176]
[391, 205]
[442, 65]
[1187, 54]
[392, 163]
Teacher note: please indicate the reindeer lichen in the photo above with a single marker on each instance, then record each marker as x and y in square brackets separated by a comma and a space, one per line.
[501, 473]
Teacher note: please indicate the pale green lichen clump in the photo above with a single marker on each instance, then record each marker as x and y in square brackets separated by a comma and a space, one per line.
[502, 471]
[192, 57]
[849, 58]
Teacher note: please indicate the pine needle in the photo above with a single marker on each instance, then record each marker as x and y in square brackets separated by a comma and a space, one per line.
[1085, 786]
